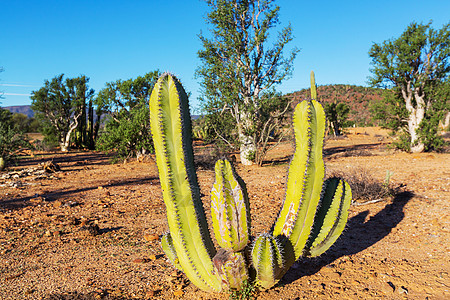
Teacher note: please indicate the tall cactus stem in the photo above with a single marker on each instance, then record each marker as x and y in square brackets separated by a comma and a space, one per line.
[305, 177]
[171, 130]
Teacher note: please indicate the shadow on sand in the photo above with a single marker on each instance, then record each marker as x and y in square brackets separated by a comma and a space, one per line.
[358, 236]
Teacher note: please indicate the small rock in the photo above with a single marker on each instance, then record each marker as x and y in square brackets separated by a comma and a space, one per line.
[93, 229]
[403, 290]
[150, 294]
[57, 204]
[151, 237]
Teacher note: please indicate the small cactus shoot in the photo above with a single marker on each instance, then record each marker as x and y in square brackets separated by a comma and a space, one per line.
[312, 216]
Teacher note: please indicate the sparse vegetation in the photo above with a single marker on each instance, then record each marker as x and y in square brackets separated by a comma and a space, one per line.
[11, 139]
[364, 186]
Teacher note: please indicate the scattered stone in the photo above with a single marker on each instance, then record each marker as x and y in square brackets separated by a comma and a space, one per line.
[403, 290]
[91, 228]
[57, 204]
[50, 166]
[71, 203]
[151, 237]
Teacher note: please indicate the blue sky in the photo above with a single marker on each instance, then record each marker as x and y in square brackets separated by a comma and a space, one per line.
[110, 40]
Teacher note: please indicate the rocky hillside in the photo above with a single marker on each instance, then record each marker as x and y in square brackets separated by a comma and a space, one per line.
[357, 97]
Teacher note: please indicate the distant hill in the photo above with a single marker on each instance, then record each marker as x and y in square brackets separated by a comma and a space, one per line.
[21, 109]
[357, 97]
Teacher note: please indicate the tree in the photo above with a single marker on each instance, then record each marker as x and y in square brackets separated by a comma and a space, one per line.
[11, 139]
[416, 68]
[126, 104]
[239, 64]
[337, 114]
[62, 103]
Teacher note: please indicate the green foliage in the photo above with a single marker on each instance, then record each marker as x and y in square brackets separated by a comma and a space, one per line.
[337, 114]
[247, 292]
[128, 137]
[416, 67]
[11, 139]
[61, 104]
[429, 127]
[312, 217]
[126, 104]
[238, 65]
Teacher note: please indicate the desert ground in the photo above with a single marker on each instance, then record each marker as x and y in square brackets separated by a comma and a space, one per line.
[90, 229]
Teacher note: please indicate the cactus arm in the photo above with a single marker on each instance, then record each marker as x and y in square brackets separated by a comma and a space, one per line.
[268, 261]
[229, 205]
[331, 217]
[169, 249]
[170, 126]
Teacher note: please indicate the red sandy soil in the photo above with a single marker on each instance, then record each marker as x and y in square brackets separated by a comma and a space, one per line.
[91, 230]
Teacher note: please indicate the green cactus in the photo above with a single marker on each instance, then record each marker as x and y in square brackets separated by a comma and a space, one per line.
[312, 216]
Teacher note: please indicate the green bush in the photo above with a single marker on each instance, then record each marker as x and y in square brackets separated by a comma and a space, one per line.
[129, 136]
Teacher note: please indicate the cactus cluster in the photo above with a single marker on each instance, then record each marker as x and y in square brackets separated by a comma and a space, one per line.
[312, 217]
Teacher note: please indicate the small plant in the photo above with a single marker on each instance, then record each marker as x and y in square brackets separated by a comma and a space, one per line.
[365, 187]
[247, 292]
[312, 217]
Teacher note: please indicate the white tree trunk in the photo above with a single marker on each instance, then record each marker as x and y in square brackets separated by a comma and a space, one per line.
[444, 125]
[416, 115]
[247, 149]
[65, 143]
[247, 143]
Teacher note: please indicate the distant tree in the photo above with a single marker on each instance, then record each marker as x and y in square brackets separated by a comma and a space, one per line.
[416, 68]
[21, 122]
[127, 128]
[11, 139]
[337, 115]
[238, 65]
[61, 103]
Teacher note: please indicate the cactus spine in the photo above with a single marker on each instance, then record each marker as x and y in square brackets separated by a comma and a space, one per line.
[312, 216]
